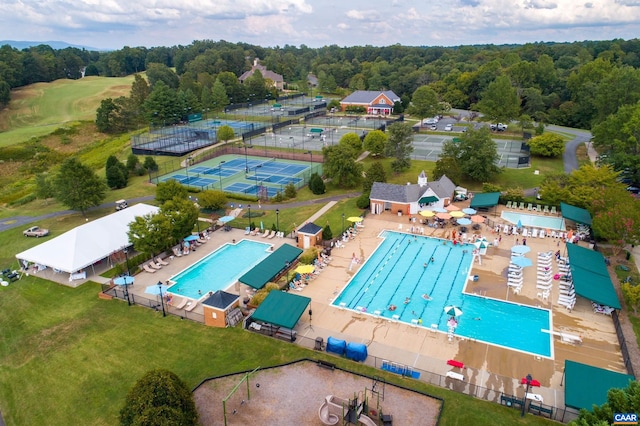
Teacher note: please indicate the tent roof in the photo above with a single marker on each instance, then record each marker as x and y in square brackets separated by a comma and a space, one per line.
[428, 199]
[281, 309]
[485, 199]
[591, 277]
[310, 228]
[275, 263]
[89, 243]
[575, 214]
[586, 385]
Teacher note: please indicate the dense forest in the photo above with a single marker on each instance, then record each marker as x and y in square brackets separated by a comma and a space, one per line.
[590, 84]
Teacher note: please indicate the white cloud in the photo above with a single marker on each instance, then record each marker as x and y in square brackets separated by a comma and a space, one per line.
[115, 23]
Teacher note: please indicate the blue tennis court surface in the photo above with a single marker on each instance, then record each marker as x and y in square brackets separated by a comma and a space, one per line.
[190, 180]
[244, 188]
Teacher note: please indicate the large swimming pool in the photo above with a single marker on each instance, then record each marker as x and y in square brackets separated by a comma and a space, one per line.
[396, 271]
[546, 222]
[220, 269]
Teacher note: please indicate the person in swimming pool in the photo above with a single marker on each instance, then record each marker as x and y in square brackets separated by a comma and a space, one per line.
[392, 307]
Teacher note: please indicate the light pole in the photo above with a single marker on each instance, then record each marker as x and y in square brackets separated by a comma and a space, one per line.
[526, 392]
[343, 223]
[249, 207]
[220, 173]
[278, 220]
[246, 160]
[164, 314]
[310, 161]
[291, 139]
[126, 289]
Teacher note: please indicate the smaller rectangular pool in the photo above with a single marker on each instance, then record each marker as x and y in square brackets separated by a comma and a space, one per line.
[220, 269]
[546, 222]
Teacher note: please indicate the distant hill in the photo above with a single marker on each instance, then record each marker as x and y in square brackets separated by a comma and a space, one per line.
[57, 45]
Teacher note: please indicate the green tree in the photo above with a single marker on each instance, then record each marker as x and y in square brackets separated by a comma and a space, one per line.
[219, 98]
[5, 93]
[375, 142]
[117, 173]
[476, 154]
[44, 187]
[170, 189]
[163, 106]
[151, 234]
[78, 187]
[225, 133]
[587, 183]
[500, 102]
[160, 72]
[631, 295]
[327, 234]
[140, 91]
[106, 115]
[447, 166]
[290, 190]
[625, 400]
[182, 214]
[353, 140]
[212, 199]
[316, 184]
[425, 103]
[150, 164]
[616, 217]
[340, 165]
[547, 145]
[400, 146]
[132, 162]
[159, 397]
[375, 173]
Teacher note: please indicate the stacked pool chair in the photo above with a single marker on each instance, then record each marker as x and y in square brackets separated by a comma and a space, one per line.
[515, 278]
[544, 280]
[567, 297]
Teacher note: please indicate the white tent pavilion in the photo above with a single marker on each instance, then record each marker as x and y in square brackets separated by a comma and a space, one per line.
[86, 244]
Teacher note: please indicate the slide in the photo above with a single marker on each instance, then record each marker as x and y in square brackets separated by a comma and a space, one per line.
[326, 417]
[366, 420]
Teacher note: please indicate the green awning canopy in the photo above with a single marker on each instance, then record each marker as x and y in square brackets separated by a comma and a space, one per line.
[428, 199]
[586, 385]
[485, 199]
[270, 267]
[575, 214]
[590, 276]
[281, 309]
[316, 130]
[276, 106]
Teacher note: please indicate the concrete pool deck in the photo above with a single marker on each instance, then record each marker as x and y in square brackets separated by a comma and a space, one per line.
[489, 366]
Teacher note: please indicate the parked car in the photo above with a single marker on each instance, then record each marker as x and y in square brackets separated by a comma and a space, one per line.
[433, 120]
[633, 189]
[36, 231]
[433, 127]
[500, 127]
[448, 127]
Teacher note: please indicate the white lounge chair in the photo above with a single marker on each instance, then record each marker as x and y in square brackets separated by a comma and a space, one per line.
[247, 230]
[154, 265]
[176, 252]
[534, 233]
[182, 304]
[161, 262]
[191, 306]
[266, 233]
[553, 210]
[508, 204]
[148, 269]
[254, 232]
[272, 234]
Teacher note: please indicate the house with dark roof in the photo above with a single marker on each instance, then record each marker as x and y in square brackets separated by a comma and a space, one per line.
[278, 80]
[309, 235]
[220, 309]
[376, 102]
[411, 198]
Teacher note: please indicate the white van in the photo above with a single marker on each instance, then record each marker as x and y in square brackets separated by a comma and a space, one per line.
[121, 205]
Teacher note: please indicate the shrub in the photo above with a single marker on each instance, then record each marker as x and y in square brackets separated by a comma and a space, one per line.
[309, 256]
[327, 234]
[290, 191]
[316, 184]
[363, 201]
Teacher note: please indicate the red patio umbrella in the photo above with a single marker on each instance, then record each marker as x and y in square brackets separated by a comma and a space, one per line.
[452, 208]
[443, 216]
[477, 218]
[533, 382]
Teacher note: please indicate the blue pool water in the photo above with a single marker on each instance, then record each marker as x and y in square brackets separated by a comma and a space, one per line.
[396, 271]
[546, 222]
[220, 269]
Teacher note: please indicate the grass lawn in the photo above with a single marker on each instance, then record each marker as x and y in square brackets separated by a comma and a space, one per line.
[40, 108]
[69, 358]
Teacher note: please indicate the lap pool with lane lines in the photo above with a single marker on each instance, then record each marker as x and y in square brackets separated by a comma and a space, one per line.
[396, 271]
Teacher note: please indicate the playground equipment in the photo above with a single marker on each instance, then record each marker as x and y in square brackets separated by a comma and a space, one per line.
[335, 410]
[226, 400]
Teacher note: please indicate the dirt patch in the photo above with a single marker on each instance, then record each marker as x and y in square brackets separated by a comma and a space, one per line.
[293, 394]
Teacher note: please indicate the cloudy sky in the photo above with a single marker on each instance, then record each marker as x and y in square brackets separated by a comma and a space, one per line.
[112, 24]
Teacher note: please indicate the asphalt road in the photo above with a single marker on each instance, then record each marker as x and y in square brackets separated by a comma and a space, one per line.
[569, 157]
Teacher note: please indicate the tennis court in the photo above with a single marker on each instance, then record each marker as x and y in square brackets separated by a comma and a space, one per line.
[259, 176]
[429, 147]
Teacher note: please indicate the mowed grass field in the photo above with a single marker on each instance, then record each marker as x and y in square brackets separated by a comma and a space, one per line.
[40, 108]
